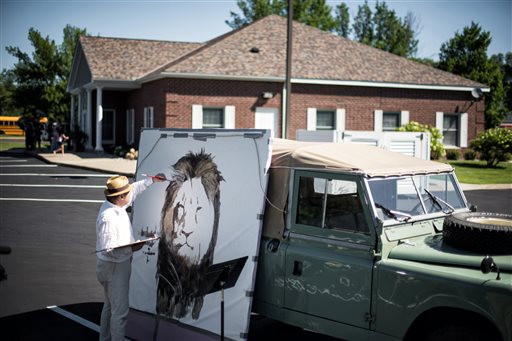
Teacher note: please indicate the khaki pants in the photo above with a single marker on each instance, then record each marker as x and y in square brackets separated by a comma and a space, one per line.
[115, 279]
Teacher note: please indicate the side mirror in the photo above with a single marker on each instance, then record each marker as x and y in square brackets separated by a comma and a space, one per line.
[487, 265]
[473, 207]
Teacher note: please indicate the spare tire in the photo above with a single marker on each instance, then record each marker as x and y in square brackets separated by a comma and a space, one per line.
[482, 232]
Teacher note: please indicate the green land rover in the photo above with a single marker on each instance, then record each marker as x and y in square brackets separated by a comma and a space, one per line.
[361, 243]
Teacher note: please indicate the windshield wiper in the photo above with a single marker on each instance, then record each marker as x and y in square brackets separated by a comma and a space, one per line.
[438, 200]
[394, 214]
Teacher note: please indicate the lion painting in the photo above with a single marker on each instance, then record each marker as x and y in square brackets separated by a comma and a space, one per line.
[190, 219]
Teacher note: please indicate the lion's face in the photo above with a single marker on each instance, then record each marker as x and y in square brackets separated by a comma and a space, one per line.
[193, 220]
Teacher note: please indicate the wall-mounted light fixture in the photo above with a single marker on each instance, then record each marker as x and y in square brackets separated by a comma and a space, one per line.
[267, 95]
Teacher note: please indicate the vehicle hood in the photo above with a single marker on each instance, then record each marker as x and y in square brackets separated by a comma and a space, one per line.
[431, 249]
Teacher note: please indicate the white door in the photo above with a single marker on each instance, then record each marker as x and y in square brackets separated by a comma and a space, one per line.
[266, 118]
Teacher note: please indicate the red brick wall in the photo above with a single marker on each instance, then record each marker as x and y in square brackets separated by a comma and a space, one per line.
[172, 100]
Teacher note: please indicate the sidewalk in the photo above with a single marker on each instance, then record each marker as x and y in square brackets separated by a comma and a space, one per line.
[91, 160]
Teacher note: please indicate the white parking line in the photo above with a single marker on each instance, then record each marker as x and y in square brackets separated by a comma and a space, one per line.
[76, 318]
[52, 200]
[61, 175]
[2, 160]
[58, 186]
[30, 166]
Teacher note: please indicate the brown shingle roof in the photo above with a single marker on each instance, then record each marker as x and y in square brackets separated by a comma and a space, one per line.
[316, 55]
[129, 59]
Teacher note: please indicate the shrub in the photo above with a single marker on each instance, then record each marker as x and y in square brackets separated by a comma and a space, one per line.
[494, 145]
[469, 155]
[452, 154]
[127, 152]
[436, 145]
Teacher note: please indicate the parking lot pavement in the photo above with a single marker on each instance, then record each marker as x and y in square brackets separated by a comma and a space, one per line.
[50, 323]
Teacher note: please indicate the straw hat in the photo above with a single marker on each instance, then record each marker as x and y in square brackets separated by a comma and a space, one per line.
[117, 185]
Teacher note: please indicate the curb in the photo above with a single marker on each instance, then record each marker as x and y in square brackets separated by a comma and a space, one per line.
[77, 165]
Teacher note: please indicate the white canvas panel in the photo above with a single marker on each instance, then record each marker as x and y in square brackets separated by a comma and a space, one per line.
[241, 164]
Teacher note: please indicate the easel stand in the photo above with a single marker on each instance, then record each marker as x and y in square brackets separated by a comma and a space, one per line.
[219, 277]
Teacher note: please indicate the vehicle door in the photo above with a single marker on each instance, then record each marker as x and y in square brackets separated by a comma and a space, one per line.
[330, 255]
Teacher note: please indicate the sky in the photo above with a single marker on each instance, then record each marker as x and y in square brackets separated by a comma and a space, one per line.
[201, 20]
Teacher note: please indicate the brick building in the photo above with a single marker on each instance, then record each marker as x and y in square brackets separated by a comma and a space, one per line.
[237, 80]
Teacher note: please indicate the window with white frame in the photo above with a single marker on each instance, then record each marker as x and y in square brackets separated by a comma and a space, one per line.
[389, 120]
[325, 119]
[148, 117]
[450, 130]
[213, 117]
[130, 117]
[454, 128]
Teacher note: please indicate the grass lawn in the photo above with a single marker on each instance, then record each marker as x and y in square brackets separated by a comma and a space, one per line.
[475, 172]
[9, 142]
[16, 142]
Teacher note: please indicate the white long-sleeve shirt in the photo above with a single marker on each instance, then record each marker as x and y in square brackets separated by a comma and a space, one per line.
[114, 228]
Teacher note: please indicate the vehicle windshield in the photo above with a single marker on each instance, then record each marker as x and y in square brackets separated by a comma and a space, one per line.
[404, 198]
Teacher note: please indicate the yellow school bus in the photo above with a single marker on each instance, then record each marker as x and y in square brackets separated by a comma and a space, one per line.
[9, 125]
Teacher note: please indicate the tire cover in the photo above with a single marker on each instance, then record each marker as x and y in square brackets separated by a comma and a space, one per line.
[482, 232]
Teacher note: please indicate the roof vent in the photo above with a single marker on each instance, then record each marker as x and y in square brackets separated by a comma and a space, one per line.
[255, 50]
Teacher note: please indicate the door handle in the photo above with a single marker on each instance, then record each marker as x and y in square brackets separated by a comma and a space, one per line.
[297, 268]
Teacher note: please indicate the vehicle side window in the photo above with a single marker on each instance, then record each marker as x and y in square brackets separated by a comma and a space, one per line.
[330, 204]
[310, 203]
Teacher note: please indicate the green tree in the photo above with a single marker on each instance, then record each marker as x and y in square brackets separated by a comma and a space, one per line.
[384, 30]
[363, 24]
[41, 80]
[7, 87]
[342, 18]
[314, 13]
[466, 55]
[505, 64]
[253, 10]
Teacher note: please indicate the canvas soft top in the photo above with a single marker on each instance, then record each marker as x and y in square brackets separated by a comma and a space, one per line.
[357, 158]
[352, 157]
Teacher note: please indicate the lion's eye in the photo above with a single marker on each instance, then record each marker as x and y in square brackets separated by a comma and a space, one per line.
[197, 210]
[179, 209]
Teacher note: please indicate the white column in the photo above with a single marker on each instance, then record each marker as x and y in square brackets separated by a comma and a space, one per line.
[79, 117]
[72, 120]
[88, 123]
[99, 119]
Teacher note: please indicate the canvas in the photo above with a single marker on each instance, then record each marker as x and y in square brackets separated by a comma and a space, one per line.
[208, 213]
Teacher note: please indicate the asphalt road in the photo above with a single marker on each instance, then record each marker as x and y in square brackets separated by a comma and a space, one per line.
[47, 217]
